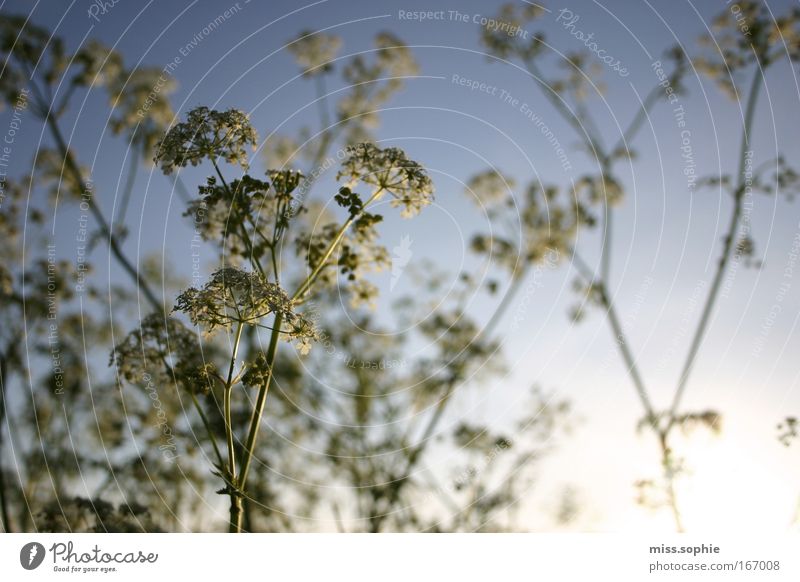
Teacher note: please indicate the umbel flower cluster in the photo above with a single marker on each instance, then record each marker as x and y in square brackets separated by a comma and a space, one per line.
[229, 211]
[207, 134]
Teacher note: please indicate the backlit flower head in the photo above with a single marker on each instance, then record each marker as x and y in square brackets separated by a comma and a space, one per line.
[210, 134]
[25, 47]
[100, 65]
[258, 372]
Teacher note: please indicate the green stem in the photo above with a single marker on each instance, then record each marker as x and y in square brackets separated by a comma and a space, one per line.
[633, 371]
[608, 212]
[322, 102]
[590, 141]
[235, 514]
[649, 101]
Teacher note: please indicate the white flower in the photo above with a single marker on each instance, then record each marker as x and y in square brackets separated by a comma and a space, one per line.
[314, 51]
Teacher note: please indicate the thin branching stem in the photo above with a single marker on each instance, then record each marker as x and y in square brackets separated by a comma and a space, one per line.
[258, 409]
[641, 115]
[568, 115]
[322, 101]
[602, 282]
[415, 454]
[227, 403]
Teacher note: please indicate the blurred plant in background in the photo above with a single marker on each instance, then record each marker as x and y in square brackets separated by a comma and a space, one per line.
[554, 219]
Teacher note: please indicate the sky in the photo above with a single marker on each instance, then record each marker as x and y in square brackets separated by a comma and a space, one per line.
[665, 246]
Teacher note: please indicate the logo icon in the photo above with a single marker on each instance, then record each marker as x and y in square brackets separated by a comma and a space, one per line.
[31, 555]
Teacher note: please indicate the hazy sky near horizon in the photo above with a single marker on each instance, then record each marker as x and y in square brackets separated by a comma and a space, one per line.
[666, 241]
